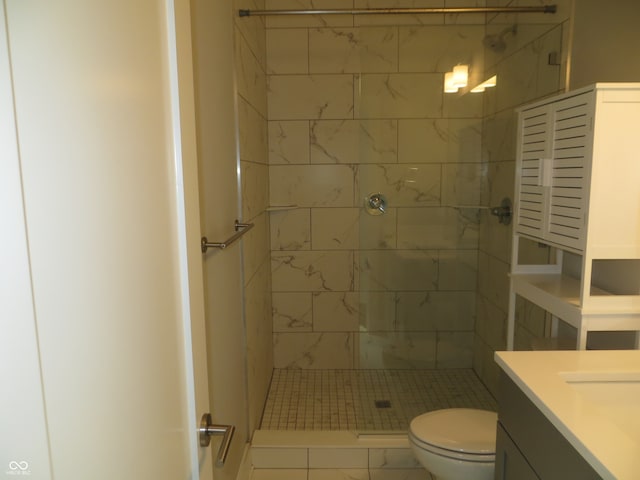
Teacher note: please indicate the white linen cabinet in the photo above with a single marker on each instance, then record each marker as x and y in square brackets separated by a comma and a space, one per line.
[578, 190]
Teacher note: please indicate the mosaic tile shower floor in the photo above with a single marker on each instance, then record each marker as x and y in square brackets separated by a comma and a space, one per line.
[367, 400]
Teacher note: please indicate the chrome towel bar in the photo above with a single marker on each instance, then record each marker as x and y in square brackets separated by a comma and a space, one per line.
[240, 228]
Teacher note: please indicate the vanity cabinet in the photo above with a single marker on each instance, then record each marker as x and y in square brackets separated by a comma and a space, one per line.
[578, 190]
[528, 446]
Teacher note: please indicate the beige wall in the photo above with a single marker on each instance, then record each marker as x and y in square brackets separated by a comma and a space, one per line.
[605, 42]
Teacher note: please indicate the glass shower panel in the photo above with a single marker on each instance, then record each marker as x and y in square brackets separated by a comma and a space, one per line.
[419, 151]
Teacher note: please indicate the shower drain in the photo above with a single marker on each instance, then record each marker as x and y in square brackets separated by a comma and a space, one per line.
[382, 403]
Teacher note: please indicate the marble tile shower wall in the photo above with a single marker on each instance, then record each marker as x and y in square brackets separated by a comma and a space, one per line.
[524, 75]
[356, 108]
[250, 63]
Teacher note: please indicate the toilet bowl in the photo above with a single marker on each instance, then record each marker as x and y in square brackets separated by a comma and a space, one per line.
[455, 443]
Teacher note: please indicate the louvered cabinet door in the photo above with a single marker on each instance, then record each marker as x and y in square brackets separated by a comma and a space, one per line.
[569, 171]
[535, 147]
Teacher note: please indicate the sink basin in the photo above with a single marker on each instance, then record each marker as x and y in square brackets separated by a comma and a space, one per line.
[616, 396]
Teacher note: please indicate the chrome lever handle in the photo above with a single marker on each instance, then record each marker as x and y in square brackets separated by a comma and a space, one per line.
[208, 429]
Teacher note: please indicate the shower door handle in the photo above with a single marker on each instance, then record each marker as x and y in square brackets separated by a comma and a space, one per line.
[208, 429]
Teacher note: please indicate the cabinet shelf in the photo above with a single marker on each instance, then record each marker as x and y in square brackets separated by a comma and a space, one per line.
[574, 150]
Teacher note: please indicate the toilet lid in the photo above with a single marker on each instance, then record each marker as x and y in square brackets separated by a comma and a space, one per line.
[457, 429]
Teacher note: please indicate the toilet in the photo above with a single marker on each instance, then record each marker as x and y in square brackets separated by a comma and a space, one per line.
[455, 443]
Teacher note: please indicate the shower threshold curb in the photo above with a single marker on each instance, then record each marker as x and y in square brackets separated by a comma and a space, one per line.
[328, 439]
[335, 449]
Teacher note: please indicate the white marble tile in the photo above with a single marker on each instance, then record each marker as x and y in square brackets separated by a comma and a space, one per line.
[255, 246]
[353, 50]
[288, 51]
[250, 76]
[254, 187]
[454, 350]
[499, 137]
[279, 457]
[442, 311]
[400, 474]
[336, 311]
[495, 237]
[388, 458]
[259, 346]
[531, 317]
[292, 312]
[439, 140]
[251, 29]
[464, 140]
[525, 34]
[403, 185]
[465, 18]
[339, 474]
[407, 270]
[335, 228]
[532, 253]
[377, 311]
[313, 350]
[252, 133]
[338, 458]
[288, 21]
[311, 185]
[423, 140]
[437, 227]
[462, 105]
[461, 183]
[396, 350]
[439, 48]
[279, 474]
[352, 228]
[485, 366]
[399, 95]
[288, 142]
[493, 280]
[491, 324]
[377, 231]
[312, 271]
[404, 19]
[353, 311]
[518, 80]
[354, 141]
[290, 229]
[299, 97]
[457, 269]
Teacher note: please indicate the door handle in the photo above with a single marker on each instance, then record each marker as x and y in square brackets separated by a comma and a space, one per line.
[208, 429]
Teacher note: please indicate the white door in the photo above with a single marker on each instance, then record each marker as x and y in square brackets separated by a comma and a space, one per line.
[102, 353]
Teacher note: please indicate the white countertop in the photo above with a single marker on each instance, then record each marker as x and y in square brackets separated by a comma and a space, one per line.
[591, 397]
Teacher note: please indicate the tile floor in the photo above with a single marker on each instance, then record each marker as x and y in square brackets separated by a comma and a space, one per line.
[340, 474]
[367, 400]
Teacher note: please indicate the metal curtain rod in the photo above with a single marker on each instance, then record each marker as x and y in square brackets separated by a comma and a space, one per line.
[388, 11]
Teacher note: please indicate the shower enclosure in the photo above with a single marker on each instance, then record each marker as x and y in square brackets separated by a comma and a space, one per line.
[379, 182]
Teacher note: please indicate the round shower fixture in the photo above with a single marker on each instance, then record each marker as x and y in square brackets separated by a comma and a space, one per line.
[496, 41]
[375, 204]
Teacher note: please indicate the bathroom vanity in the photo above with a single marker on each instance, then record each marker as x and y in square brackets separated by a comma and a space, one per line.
[568, 415]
